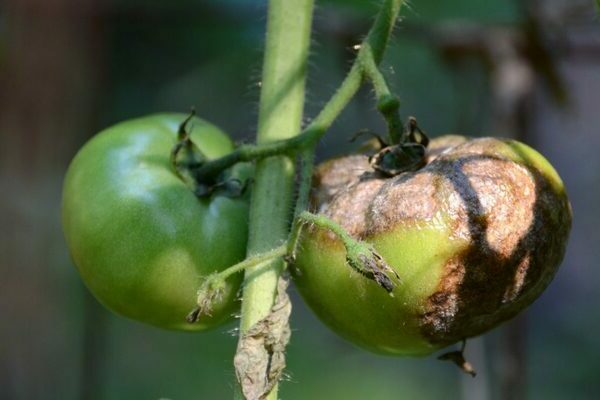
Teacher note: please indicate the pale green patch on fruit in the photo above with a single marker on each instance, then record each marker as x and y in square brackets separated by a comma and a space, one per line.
[418, 255]
[520, 152]
[360, 310]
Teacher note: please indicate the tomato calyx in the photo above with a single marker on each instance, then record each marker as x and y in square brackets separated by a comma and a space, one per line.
[186, 158]
[406, 156]
[185, 153]
[230, 187]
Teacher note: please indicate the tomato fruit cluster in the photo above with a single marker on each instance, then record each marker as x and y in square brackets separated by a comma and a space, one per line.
[140, 238]
[475, 236]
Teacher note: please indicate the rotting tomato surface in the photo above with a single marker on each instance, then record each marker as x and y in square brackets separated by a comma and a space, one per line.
[139, 236]
[475, 236]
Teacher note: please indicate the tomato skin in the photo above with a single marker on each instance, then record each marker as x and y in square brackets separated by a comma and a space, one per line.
[475, 237]
[141, 240]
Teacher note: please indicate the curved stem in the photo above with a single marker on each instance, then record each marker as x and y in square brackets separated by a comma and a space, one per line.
[360, 256]
[370, 51]
[387, 103]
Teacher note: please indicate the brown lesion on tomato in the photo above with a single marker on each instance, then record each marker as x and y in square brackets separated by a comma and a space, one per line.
[508, 214]
[442, 144]
[406, 200]
[515, 245]
[338, 174]
[335, 175]
[341, 179]
[349, 207]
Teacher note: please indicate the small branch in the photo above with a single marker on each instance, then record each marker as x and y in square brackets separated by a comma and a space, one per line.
[387, 104]
[371, 49]
[244, 153]
[376, 42]
[213, 286]
[307, 162]
[361, 256]
[253, 261]
[302, 202]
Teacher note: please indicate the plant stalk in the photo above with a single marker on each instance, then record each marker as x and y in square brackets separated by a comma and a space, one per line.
[371, 52]
[279, 138]
[280, 117]
[307, 160]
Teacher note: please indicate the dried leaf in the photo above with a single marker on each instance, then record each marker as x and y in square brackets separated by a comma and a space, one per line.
[260, 358]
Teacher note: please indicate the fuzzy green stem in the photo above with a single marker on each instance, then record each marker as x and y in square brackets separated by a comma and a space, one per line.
[387, 104]
[360, 255]
[254, 261]
[326, 223]
[280, 117]
[307, 162]
[307, 157]
[373, 46]
[281, 105]
[213, 286]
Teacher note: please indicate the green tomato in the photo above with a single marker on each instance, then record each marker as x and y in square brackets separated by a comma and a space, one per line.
[140, 238]
[475, 236]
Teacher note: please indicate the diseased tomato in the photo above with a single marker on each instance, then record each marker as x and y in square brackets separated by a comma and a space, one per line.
[140, 238]
[475, 236]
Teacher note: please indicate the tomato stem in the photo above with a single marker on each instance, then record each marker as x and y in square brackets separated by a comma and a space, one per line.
[370, 54]
[360, 256]
[307, 158]
[254, 261]
[213, 285]
[279, 137]
[280, 117]
[387, 104]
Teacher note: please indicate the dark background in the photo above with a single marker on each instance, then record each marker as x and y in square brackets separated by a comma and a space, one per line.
[526, 69]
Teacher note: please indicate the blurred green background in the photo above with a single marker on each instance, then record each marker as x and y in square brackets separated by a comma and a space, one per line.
[527, 69]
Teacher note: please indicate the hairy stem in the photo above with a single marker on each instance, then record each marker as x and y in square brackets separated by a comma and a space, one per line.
[280, 117]
[371, 50]
[254, 261]
[281, 106]
[326, 223]
[360, 256]
[387, 103]
[307, 157]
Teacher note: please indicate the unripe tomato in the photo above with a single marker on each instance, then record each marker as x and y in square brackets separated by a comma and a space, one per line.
[475, 236]
[140, 238]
